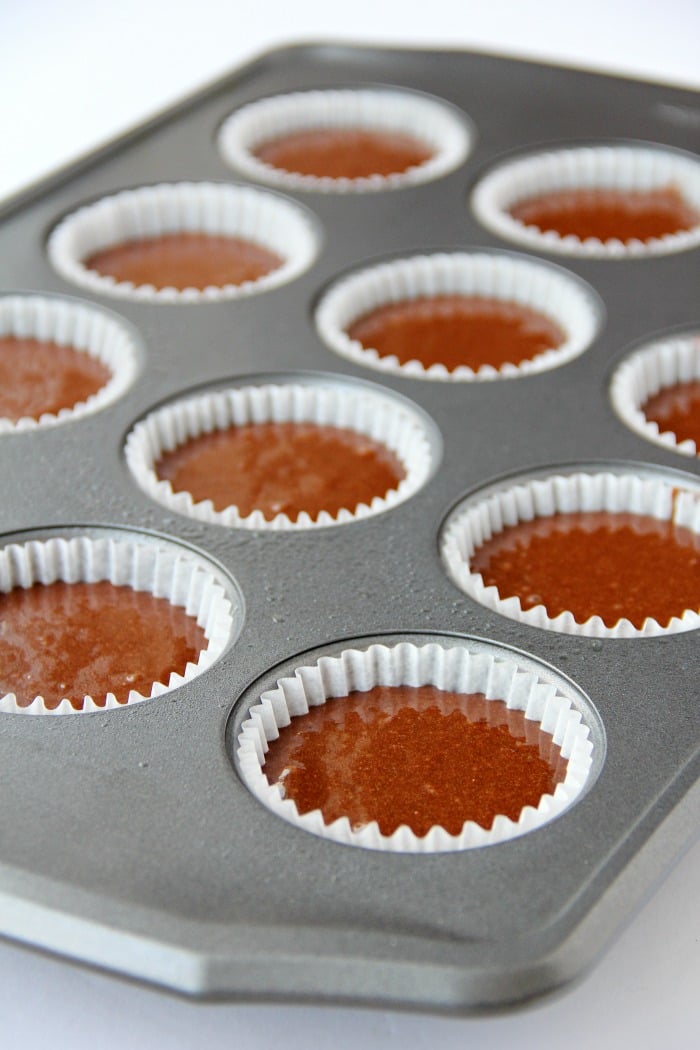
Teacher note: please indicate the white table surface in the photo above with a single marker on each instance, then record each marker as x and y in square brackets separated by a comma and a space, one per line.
[75, 74]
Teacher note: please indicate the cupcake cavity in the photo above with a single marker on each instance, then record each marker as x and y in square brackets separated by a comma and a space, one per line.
[131, 580]
[63, 360]
[535, 303]
[538, 706]
[630, 521]
[274, 241]
[669, 366]
[351, 131]
[387, 432]
[654, 188]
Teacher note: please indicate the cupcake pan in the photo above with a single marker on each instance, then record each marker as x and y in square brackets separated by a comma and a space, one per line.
[127, 838]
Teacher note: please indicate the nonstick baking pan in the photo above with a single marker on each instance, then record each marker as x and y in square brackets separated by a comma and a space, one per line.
[127, 838]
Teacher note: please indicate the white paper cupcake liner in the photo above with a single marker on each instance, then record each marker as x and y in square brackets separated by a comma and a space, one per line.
[385, 420]
[480, 518]
[429, 120]
[494, 673]
[81, 327]
[217, 209]
[644, 374]
[563, 299]
[160, 569]
[587, 167]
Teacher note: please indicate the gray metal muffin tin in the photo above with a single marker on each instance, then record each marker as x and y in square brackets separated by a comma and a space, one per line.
[126, 838]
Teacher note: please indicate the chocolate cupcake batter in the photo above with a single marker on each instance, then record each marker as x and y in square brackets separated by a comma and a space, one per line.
[454, 330]
[282, 468]
[415, 756]
[596, 564]
[89, 639]
[38, 378]
[349, 153]
[185, 260]
[677, 409]
[608, 214]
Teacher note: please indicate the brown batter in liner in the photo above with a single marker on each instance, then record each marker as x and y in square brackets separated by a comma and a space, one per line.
[38, 378]
[613, 565]
[454, 330]
[185, 260]
[350, 153]
[282, 468]
[89, 639]
[418, 756]
[608, 214]
[677, 409]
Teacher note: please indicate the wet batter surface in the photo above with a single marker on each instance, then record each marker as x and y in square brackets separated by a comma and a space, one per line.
[608, 214]
[90, 639]
[596, 563]
[677, 409]
[457, 330]
[38, 377]
[350, 153]
[185, 260]
[282, 468]
[418, 756]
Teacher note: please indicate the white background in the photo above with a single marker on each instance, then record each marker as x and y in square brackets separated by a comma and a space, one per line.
[75, 73]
